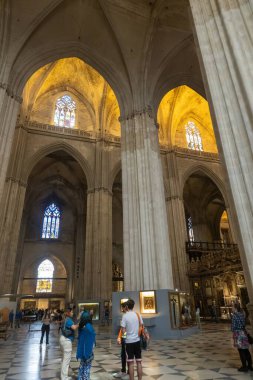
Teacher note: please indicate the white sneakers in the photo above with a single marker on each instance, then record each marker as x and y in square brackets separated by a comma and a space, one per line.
[121, 375]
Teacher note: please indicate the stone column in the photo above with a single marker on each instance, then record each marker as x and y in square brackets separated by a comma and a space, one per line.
[9, 107]
[224, 35]
[147, 257]
[11, 213]
[98, 251]
[78, 289]
[177, 224]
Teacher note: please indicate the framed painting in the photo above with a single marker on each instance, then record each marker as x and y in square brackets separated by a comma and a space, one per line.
[148, 302]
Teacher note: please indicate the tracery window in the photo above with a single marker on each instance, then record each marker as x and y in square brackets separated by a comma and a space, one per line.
[45, 277]
[65, 112]
[51, 222]
[193, 137]
[190, 229]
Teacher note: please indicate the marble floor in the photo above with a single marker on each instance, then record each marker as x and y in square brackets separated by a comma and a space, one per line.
[207, 355]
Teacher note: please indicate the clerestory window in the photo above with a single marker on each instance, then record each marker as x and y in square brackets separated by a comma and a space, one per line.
[190, 229]
[193, 137]
[65, 112]
[51, 222]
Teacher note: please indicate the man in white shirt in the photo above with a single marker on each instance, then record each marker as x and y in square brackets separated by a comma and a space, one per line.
[130, 325]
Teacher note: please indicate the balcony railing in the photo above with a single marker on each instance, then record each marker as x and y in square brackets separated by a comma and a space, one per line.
[212, 257]
[74, 132]
[94, 135]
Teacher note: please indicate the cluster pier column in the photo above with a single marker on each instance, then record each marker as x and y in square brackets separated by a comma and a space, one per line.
[10, 220]
[224, 35]
[98, 252]
[177, 225]
[78, 289]
[9, 107]
[147, 256]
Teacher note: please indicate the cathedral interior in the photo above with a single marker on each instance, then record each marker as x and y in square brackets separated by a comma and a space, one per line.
[126, 152]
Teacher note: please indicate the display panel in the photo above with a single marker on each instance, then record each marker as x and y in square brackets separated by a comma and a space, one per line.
[185, 305]
[148, 302]
[174, 310]
[92, 307]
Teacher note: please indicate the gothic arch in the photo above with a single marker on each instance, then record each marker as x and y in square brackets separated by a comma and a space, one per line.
[165, 81]
[38, 260]
[72, 91]
[42, 55]
[210, 174]
[41, 153]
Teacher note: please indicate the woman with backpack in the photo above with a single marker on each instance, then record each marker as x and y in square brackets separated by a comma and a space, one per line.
[86, 343]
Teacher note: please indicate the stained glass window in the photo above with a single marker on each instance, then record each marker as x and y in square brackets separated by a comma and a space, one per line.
[65, 112]
[51, 222]
[45, 277]
[193, 137]
[190, 229]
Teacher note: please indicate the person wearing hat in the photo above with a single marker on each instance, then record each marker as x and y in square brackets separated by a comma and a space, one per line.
[85, 346]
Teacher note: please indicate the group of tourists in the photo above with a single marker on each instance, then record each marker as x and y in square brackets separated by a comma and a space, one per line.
[85, 345]
[129, 337]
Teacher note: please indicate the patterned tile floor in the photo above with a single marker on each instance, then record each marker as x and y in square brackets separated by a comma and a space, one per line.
[207, 355]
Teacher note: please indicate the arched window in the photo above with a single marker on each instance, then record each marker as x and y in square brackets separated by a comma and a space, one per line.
[45, 277]
[193, 136]
[65, 112]
[190, 229]
[51, 222]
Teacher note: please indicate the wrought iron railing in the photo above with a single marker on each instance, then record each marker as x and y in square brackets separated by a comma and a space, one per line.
[211, 257]
[205, 246]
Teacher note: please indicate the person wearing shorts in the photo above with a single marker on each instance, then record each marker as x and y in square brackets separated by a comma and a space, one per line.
[130, 325]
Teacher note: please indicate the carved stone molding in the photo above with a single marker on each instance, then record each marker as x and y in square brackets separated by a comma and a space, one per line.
[146, 110]
[18, 181]
[172, 198]
[73, 132]
[97, 189]
[10, 93]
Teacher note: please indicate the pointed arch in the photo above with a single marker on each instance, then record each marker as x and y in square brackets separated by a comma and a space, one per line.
[45, 277]
[46, 150]
[23, 69]
[210, 174]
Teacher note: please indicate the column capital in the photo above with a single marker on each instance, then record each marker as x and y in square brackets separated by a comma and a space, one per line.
[98, 189]
[148, 110]
[10, 93]
[18, 181]
[173, 197]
